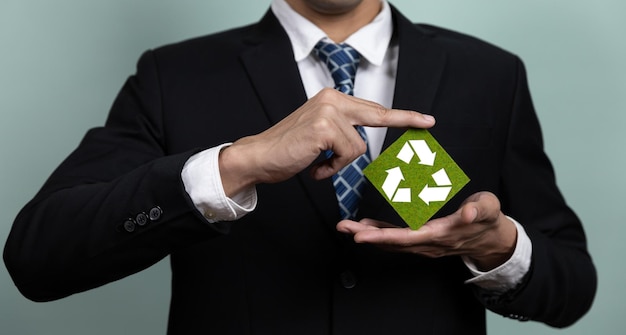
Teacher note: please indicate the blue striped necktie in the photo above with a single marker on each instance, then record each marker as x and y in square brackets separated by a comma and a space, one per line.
[342, 61]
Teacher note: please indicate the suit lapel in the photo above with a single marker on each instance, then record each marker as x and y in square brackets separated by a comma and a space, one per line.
[420, 67]
[273, 71]
[274, 74]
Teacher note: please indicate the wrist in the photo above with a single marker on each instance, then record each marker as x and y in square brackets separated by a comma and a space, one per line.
[234, 167]
[500, 247]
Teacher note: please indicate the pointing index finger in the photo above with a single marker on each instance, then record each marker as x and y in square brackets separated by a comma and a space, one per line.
[374, 115]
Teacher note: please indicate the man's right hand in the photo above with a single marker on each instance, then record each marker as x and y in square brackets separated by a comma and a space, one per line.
[324, 122]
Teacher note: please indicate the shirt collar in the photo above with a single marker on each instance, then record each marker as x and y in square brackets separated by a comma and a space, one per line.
[304, 35]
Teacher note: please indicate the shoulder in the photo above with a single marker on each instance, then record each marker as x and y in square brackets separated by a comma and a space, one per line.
[194, 56]
[207, 47]
[470, 48]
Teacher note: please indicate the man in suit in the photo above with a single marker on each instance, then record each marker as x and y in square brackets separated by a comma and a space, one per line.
[163, 178]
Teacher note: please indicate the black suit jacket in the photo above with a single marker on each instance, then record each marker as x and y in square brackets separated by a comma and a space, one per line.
[283, 269]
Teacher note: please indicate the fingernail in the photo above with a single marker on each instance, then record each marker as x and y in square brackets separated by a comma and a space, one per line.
[474, 214]
[428, 118]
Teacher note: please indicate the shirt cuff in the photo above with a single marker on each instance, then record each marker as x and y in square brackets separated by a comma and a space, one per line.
[508, 275]
[202, 181]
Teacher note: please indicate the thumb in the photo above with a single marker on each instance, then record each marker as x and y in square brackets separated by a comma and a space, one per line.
[480, 207]
[469, 213]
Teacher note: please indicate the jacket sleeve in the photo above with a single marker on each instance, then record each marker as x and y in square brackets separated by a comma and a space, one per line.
[115, 206]
[561, 283]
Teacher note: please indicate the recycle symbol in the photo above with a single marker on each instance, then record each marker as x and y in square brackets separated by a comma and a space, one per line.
[391, 185]
[416, 176]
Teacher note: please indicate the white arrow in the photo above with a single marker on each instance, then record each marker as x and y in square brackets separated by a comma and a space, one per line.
[394, 177]
[402, 195]
[441, 178]
[406, 153]
[426, 156]
[430, 194]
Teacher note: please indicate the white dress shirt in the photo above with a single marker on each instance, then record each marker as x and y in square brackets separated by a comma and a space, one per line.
[377, 69]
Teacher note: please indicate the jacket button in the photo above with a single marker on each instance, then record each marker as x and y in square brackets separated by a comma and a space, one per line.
[209, 215]
[347, 279]
[141, 219]
[155, 213]
[129, 225]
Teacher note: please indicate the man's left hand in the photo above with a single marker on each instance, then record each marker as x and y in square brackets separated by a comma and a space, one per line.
[478, 229]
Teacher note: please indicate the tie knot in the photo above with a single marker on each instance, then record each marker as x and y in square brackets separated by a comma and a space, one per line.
[342, 61]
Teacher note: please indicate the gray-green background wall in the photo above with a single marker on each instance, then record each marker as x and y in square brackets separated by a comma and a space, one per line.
[62, 62]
